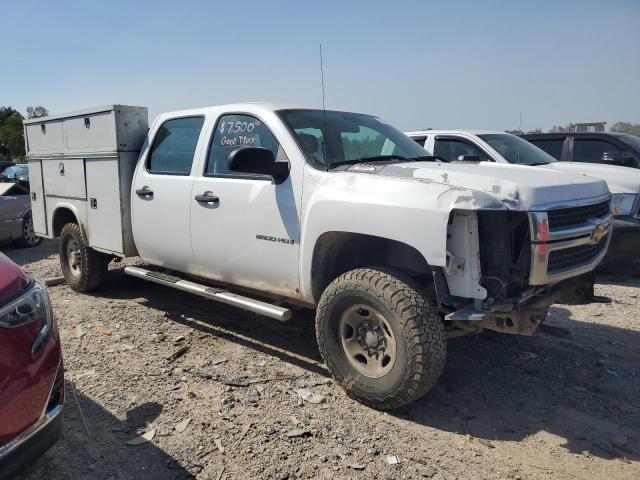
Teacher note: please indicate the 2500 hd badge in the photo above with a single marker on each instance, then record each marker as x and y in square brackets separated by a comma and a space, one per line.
[270, 238]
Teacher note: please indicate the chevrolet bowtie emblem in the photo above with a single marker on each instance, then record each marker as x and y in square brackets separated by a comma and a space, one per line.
[599, 232]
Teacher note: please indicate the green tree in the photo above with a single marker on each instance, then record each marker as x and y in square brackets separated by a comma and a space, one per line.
[11, 134]
[625, 127]
[37, 112]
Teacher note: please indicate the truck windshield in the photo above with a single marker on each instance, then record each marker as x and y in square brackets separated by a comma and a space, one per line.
[331, 138]
[517, 150]
[631, 140]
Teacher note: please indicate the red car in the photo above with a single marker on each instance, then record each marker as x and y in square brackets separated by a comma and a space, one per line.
[31, 372]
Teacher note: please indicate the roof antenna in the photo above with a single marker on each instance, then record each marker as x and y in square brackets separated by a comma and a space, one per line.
[324, 112]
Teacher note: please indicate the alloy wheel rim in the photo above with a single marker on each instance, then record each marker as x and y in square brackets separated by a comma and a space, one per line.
[28, 232]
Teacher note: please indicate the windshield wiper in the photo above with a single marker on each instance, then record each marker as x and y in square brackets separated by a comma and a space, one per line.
[385, 158]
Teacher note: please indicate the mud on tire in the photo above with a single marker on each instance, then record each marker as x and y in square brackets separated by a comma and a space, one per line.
[83, 268]
[360, 317]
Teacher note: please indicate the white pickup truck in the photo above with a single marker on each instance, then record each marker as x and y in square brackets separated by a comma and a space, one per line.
[268, 207]
[501, 147]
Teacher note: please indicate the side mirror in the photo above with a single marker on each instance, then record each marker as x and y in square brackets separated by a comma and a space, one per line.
[618, 158]
[259, 161]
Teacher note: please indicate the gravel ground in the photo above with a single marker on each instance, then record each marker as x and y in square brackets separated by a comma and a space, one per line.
[216, 387]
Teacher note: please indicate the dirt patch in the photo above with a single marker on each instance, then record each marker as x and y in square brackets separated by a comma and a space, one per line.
[216, 391]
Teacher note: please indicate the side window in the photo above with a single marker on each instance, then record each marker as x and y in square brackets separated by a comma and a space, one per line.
[451, 149]
[591, 151]
[552, 147]
[364, 143]
[174, 146]
[234, 131]
[419, 140]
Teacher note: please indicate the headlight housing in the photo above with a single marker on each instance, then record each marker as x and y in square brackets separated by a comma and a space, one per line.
[624, 204]
[31, 306]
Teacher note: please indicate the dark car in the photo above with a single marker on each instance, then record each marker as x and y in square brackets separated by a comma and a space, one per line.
[16, 222]
[611, 148]
[5, 164]
[31, 370]
[15, 173]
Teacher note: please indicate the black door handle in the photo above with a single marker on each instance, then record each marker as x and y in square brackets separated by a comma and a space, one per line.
[144, 192]
[207, 197]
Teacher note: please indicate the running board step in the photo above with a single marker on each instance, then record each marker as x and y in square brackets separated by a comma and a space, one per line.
[212, 293]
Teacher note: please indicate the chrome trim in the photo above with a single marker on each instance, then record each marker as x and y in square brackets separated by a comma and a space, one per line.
[540, 259]
[539, 207]
[223, 296]
[540, 231]
[42, 422]
[544, 240]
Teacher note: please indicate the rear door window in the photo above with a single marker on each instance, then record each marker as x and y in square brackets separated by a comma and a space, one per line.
[174, 146]
[591, 150]
[552, 147]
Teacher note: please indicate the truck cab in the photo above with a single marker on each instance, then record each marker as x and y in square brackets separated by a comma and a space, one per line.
[610, 148]
[271, 207]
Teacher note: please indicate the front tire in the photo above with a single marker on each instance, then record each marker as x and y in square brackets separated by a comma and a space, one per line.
[382, 339]
[83, 268]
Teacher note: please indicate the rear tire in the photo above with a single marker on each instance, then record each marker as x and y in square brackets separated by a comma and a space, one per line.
[29, 238]
[383, 340]
[84, 269]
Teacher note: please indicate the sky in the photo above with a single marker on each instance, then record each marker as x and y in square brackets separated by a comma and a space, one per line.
[416, 64]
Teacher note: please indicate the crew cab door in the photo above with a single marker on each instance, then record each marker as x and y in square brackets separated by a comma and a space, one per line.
[245, 229]
[161, 194]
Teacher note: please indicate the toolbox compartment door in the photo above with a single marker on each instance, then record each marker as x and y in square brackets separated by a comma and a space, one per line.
[64, 178]
[38, 201]
[104, 214]
[44, 137]
[91, 133]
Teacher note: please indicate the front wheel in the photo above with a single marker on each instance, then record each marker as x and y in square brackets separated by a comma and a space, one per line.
[83, 268]
[382, 339]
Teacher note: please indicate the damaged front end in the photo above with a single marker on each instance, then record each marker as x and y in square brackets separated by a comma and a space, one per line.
[515, 264]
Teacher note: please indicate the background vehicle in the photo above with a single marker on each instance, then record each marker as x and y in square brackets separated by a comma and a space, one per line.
[500, 147]
[5, 164]
[16, 223]
[15, 173]
[31, 371]
[331, 210]
[610, 148]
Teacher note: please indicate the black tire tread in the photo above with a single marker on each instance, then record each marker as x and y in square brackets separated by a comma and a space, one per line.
[421, 326]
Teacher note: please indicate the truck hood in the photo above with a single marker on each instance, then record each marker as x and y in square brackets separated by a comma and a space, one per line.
[12, 279]
[518, 186]
[619, 179]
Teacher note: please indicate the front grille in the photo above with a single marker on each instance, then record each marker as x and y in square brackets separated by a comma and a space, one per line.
[574, 256]
[576, 216]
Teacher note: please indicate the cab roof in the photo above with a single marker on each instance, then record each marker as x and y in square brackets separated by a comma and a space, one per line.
[249, 107]
[469, 131]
